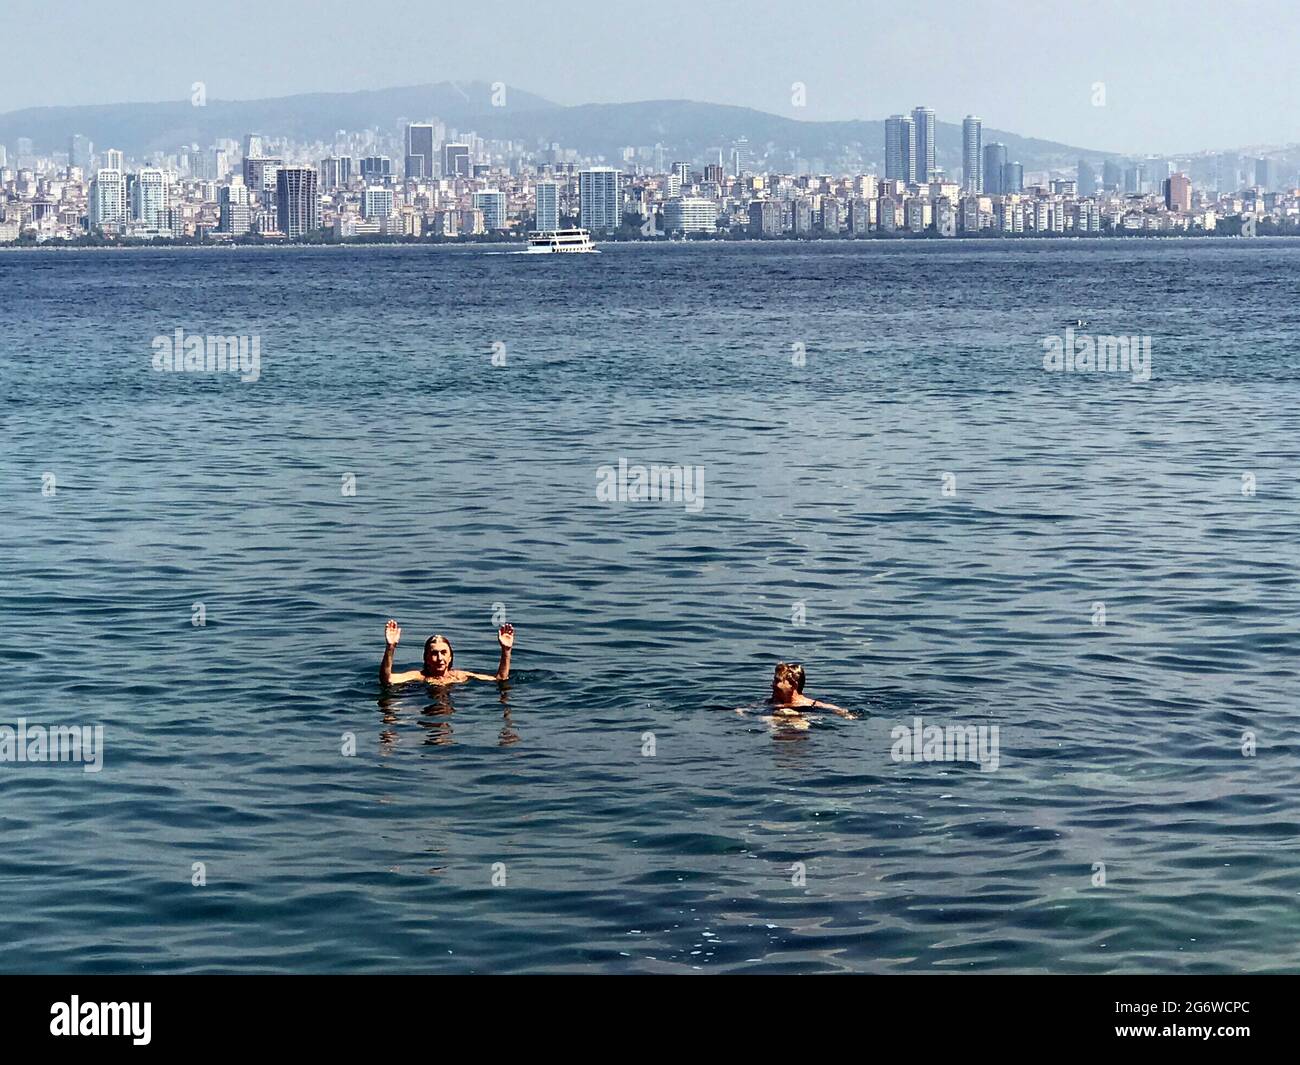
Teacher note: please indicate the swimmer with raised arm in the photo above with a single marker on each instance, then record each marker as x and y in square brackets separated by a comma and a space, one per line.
[438, 658]
[788, 699]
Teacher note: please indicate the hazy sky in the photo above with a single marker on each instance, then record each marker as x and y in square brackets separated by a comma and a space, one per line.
[1178, 76]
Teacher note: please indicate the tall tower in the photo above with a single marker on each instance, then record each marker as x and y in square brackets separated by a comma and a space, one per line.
[598, 206]
[297, 200]
[923, 119]
[995, 158]
[900, 149]
[419, 151]
[548, 205]
[972, 159]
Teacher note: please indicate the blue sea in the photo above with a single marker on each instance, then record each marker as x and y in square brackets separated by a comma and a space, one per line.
[893, 491]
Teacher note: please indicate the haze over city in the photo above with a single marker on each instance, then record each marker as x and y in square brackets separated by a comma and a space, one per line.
[1034, 70]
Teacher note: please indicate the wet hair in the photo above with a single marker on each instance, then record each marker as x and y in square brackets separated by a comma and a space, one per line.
[428, 646]
[792, 670]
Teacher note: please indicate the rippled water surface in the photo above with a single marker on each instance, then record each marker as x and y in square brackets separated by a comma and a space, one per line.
[824, 499]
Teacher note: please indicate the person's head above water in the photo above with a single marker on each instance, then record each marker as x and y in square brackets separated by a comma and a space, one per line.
[787, 681]
[438, 656]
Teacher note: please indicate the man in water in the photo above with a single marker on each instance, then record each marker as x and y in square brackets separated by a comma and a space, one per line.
[788, 698]
[438, 658]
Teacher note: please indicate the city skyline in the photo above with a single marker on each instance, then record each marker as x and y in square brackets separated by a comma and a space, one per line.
[1139, 63]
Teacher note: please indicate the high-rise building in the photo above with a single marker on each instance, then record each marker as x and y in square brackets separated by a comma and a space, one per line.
[259, 176]
[493, 205]
[1013, 178]
[923, 119]
[297, 200]
[376, 169]
[1178, 193]
[236, 212]
[79, 151]
[419, 151]
[1266, 174]
[740, 157]
[1112, 177]
[995, 158]
[548, 205]
[114, 159]
[1228, 173]
[598, 198]
[253, 146]
[974, 177]
[1087, 177]
[377, 202]
[764, 218]
[149, 198]
[218, 164]
[900, 149]
[455, 160]
[336, 171]
[108, 199]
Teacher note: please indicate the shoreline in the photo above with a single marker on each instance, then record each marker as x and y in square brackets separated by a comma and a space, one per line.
[505, 247]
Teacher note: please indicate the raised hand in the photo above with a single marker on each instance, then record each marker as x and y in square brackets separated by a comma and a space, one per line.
[392, 633]
[506, 636]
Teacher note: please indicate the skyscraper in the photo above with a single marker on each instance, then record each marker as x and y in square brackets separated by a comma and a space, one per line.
[79, 151]
[455, 160]
[419, 151]
[900, 149]
[1087, 176]
[740, 157]
[923, 119]
[1111, 175]
[972, 154]
[149, 198]
[493, 205]
[548, 205]
[108, 199]
[376, 168]
[1178, 193]
[995, 158]
[253, 146]
[1266, 174]
[1013, 178]
[598, 201]
[297, 200]
[115, 160]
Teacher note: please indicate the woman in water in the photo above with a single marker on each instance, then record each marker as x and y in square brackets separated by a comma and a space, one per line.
[788, 699]
[438, 657]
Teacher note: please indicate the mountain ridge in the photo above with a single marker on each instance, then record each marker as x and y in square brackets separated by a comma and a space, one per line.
[688, 129]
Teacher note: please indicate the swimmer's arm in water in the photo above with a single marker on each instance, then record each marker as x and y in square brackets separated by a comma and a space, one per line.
[817, 704]
[506, 638]
[392, 633]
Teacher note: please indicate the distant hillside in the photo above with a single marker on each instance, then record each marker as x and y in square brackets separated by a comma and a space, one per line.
[688, 130]
[141, 128]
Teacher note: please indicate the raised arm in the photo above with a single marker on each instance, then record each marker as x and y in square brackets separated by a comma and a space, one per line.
[506, 638]
[392, 633]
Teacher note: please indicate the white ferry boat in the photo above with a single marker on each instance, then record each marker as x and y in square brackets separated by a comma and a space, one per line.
[568, 241]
